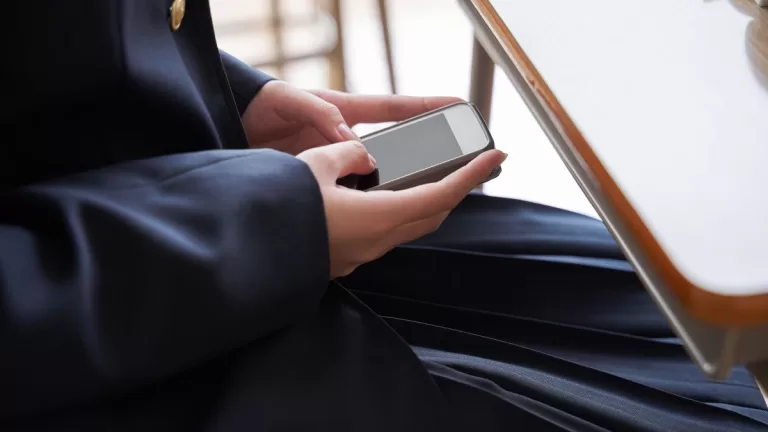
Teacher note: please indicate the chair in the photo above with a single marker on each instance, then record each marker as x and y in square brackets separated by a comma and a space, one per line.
[326, 23]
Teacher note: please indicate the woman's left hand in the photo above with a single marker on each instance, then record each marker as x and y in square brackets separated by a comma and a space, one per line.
[292, 120]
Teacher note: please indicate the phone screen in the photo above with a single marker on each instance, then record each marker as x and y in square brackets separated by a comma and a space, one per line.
[413, 147]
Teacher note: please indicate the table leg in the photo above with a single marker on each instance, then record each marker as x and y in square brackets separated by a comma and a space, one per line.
[481, 85]
[760, 372]
[481, 82]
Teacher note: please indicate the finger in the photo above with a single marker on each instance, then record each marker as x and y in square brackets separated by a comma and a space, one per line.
[337, 160]
[307, 108]
[382, 108]
[422, 202]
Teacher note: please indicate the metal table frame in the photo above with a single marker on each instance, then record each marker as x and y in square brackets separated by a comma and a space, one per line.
[714, 349]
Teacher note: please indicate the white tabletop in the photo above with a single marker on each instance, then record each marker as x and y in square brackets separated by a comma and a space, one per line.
[672, 97]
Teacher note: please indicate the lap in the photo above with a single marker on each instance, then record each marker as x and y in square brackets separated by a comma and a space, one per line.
[512, 316]
[533, 310]
[519, 259]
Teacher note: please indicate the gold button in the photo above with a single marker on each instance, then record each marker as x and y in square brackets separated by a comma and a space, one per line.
[177, 13]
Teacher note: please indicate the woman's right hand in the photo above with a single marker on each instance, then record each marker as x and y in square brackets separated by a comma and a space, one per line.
[362, 226]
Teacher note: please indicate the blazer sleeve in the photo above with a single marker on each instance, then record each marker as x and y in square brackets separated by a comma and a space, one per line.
[244, 80]
[116, 277]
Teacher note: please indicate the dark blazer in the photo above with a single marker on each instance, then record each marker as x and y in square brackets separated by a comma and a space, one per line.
[155, 274]
[138, 236]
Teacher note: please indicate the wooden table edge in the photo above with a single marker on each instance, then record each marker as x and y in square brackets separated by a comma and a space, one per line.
[710, 307]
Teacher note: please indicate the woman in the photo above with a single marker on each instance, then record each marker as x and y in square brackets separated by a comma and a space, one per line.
[170, 222]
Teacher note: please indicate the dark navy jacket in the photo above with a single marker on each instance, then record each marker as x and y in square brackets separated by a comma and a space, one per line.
[155, 274]
[138, 236]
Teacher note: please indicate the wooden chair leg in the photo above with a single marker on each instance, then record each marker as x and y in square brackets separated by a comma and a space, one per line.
[481, 83]
[338, 76]
[276, 22]
[384, 18]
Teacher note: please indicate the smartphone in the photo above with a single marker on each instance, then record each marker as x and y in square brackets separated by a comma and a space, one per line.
[426, 148]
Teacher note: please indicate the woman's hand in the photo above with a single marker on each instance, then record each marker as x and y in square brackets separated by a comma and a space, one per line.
[292, 120]
[363, 226]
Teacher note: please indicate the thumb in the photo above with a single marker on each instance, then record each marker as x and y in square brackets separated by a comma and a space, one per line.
[334, 161]
[475, 172]
[324, 116]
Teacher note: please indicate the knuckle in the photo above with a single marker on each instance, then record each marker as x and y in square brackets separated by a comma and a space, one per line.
[320, 155]
[357, 147]
[330, 110]
[362, 154]
[355, 152]
[321, 158]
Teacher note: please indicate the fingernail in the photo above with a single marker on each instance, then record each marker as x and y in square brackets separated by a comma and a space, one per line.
[372, 160]
[505, 156]
[346, 133]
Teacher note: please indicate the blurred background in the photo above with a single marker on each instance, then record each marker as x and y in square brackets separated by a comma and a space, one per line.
[342, 44]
